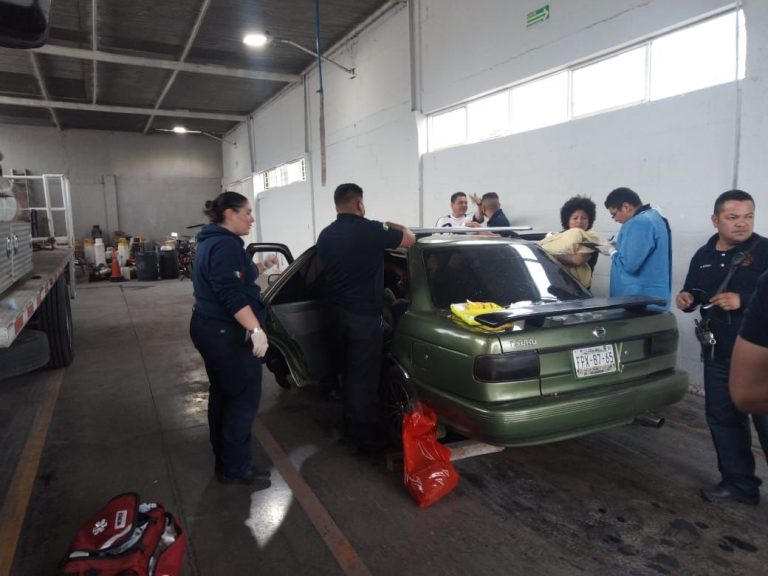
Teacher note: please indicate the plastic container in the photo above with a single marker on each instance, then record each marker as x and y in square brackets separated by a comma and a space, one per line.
[90, 255]
[99, 252]
[169, 264]
[96, 232]
[123, 251]
[146, 266]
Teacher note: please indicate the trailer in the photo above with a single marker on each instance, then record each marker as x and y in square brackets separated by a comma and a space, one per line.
[37, 280]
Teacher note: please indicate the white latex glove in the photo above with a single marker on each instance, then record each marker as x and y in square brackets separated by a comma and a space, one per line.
[260, 345]
[608, 248]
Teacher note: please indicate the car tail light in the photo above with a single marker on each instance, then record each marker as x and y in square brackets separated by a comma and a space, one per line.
[662, 343]
[504, 367]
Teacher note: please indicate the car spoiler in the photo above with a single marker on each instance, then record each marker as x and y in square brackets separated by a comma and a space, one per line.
[419, 232]
[636, 304]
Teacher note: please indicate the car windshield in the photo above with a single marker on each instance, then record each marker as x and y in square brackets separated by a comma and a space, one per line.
[500, 273]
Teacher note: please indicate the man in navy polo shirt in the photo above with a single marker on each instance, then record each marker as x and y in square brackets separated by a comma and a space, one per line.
[722, 278]
[748, 382]
[489, 211]
[351, 250]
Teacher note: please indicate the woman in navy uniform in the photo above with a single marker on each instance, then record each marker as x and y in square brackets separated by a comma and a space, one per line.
[226, 328]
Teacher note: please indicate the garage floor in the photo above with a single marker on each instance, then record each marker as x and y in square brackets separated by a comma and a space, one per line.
[129, 415]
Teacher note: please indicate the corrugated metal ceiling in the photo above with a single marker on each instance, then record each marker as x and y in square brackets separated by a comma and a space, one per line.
[159, 31]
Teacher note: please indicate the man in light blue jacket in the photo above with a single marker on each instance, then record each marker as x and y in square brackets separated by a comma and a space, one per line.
[641, 260]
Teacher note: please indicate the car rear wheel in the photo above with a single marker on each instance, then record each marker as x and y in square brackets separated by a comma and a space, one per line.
[397, 396]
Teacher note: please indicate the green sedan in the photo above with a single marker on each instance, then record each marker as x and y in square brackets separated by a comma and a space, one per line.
[549, 362]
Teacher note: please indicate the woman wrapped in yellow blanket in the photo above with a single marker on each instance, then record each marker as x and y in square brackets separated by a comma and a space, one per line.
[577, 216]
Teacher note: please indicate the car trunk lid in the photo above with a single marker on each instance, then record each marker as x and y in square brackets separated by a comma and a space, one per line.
[594, 344]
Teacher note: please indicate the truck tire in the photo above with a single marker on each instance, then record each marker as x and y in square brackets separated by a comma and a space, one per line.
[54, 317]
[28, 352]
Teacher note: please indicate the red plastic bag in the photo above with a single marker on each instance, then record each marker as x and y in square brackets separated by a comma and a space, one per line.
[428, 472]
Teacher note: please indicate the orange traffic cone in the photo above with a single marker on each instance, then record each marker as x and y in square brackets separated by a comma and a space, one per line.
[116, 275]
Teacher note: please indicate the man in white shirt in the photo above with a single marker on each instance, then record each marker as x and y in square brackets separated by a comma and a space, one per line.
[458, 217]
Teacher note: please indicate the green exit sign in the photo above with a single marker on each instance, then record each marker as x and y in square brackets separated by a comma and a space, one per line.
[537, 16]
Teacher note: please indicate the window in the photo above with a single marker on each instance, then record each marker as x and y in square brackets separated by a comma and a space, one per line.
[704, 54]
[449, 129]
[501, 273]
[610, 83]
[698, 57]
[540, 103]
[280, 176]
[488, 117]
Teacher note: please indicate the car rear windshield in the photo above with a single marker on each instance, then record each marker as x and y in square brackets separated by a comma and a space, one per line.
[500, 273]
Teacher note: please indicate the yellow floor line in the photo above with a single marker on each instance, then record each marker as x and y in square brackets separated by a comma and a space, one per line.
[17, 498]
[334, 538]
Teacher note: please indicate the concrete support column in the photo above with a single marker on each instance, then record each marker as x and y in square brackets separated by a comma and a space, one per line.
[110, 204]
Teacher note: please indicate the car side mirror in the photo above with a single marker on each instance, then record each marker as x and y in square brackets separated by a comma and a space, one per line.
[24, 23]
[272, 278]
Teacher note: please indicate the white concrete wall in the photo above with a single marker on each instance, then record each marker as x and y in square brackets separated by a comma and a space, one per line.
[285, 213]
[370, 139]
[236, 159]
[678, 154]
[159, 182]
[371, 136]
[278, 130]
[473, 47]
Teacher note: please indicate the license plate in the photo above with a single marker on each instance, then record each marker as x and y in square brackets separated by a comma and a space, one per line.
[593, 361]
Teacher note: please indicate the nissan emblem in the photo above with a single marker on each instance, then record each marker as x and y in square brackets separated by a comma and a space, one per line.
[599, 332]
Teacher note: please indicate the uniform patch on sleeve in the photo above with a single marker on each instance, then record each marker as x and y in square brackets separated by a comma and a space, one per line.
[238, 274]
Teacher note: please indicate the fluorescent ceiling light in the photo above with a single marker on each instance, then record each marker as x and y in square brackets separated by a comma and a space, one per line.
[179, 129]
[257, 39]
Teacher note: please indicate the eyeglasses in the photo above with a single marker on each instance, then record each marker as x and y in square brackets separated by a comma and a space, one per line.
[613, 211]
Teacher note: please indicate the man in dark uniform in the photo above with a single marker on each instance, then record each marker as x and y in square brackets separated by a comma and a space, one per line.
[748, 382]
[722, 277]
[351, 250]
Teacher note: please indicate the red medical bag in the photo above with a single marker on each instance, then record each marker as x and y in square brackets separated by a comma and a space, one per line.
[126, 538]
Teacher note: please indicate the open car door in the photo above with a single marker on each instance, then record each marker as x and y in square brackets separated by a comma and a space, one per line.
[274, 257]
[301, 327]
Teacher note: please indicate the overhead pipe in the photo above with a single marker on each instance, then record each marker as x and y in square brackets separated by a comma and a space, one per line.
[350, 71]
[359, 29]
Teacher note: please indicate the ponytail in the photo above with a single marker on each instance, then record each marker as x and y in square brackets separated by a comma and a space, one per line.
[215, 208]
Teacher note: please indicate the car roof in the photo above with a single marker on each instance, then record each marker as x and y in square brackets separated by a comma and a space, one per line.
[460, 240]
